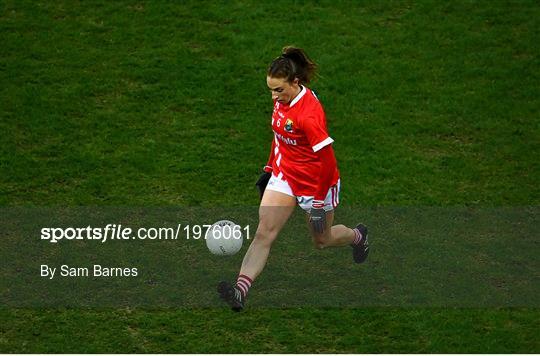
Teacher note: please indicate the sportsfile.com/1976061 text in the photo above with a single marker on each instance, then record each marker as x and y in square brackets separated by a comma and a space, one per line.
[122, 233]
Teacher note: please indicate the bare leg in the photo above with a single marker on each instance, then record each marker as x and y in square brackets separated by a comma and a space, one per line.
[333, 236]
[274, 211]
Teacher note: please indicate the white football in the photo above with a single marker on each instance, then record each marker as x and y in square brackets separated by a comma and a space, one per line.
[224, 238]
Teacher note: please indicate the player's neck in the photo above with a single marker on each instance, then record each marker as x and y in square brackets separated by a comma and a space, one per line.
[297, 93]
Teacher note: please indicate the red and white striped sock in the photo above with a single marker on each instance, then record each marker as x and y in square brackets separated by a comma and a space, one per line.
[244, 283]
[358, 236]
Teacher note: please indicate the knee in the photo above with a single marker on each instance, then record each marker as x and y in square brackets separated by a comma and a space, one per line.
[265, 235]
[319, 243]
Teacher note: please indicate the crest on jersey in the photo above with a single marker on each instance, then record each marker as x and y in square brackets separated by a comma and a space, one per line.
[289, 125]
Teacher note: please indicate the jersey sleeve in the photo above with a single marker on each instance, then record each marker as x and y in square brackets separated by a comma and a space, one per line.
[268, 167]
[328, 167]
[314, 126]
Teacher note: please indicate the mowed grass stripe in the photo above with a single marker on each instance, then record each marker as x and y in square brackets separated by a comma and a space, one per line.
[381, 330]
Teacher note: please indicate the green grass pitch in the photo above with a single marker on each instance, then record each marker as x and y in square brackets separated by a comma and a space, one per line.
[154, 103]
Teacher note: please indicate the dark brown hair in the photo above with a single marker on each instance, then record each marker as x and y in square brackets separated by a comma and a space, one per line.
[293, 63]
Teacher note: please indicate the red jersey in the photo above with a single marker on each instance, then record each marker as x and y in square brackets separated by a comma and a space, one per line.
[299, 132]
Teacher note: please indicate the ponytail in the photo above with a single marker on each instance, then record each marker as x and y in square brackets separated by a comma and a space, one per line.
[293, 63]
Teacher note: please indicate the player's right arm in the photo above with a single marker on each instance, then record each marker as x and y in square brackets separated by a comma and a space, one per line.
[265, 176]
[268, 167]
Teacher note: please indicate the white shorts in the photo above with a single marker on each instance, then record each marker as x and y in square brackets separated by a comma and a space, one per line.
[330, 202]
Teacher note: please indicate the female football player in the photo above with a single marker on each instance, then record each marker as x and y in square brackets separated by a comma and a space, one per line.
[301, 170]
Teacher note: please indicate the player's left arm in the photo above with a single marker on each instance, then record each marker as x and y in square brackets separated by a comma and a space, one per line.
[317, 134]
[326, 173]
[328, 166]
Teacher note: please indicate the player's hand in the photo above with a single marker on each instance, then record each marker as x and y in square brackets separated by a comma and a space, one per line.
[317, 217]
[263, 182]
